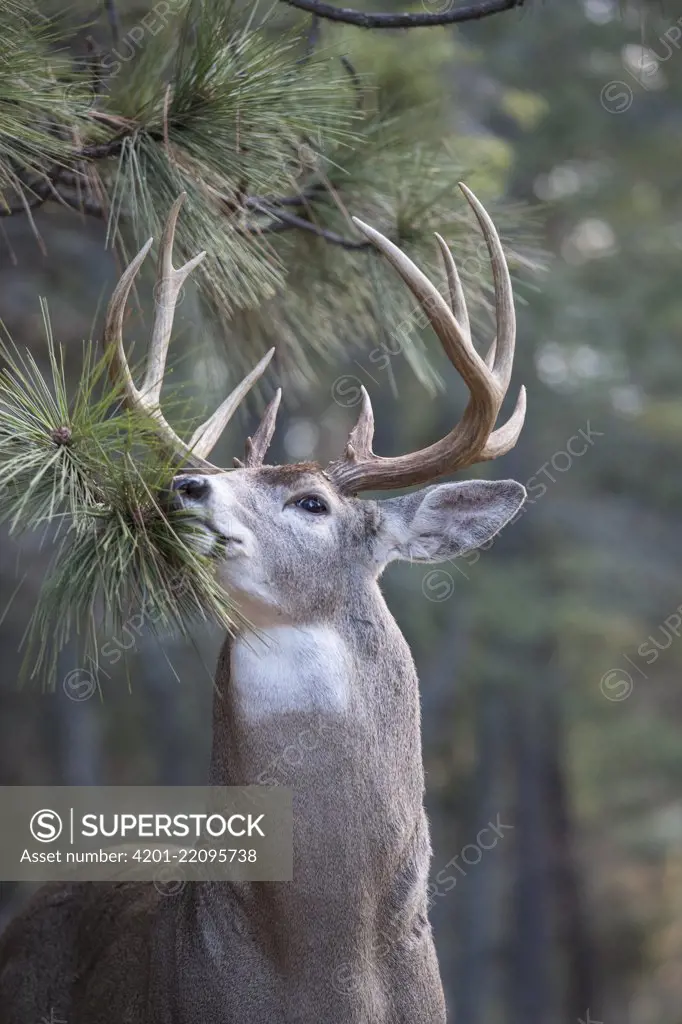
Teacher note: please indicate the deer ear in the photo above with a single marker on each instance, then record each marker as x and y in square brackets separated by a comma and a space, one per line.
[446, 520]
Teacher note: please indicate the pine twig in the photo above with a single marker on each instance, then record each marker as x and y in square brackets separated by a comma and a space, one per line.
[354, 77]
[473, 12]
[83, 204]
[302, 199]
[26, 204]
[281, 220]
[290, 220]
[103, 150]
[313, 36]
[112, 17]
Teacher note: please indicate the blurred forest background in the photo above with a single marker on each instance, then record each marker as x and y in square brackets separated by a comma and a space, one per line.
[548, 663]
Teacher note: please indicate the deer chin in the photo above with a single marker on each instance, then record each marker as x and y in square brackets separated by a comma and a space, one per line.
[253, 599]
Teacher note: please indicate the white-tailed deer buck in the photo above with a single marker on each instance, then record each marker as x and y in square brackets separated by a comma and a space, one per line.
[326, 672]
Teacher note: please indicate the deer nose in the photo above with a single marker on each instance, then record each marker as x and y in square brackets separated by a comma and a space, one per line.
[194, 488]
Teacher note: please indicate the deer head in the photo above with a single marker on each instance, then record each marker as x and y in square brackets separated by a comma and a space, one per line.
[293, 543]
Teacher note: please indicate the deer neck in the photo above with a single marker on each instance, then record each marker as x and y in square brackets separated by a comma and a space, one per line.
[284, 690]
[332, 711]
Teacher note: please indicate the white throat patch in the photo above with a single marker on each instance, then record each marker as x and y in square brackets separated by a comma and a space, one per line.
[290, 668]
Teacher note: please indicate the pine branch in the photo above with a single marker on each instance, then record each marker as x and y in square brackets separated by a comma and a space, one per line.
[56, 185]
[104, 150]
[292, 221]
[26, 203]
[362, 19]
[60, 182]
[280, 221]
[82, 204]
[112, 17]
[275, 146]
[313, 36]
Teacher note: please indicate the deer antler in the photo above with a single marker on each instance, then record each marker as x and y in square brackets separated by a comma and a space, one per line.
[257, 446]
[472, 439]
[169, 281]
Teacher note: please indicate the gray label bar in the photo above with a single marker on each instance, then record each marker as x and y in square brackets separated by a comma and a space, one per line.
[164, 834]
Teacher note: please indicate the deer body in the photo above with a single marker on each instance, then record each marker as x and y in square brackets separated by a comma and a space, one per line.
[348, 940]
[317, 691]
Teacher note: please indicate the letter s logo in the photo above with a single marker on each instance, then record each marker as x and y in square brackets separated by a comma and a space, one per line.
[46, 826]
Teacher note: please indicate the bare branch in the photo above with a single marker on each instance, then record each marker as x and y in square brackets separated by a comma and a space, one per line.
[472, 12]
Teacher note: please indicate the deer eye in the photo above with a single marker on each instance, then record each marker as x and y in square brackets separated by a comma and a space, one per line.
[310, 503]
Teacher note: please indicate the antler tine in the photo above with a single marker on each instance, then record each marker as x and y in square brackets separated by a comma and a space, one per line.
[205, 437]
[257, 446]
[119, 371]
[168, 284]
[505, 437]
[500, 356]
[472, 439]
[360, 439]
[505, 316]
[359, 445]
[457, 299]
[456, 342]
[169, 281]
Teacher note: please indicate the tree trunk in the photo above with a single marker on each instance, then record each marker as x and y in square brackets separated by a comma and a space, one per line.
[478, 892]
[531, 952]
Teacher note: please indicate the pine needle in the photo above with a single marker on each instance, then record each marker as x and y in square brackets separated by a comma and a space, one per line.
[96, 475]
[41, 98]
[223, 114]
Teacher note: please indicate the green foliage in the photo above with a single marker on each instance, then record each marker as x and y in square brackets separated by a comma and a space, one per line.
[98, 478]
[41, 100]
[227, 116]
[276, 147]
